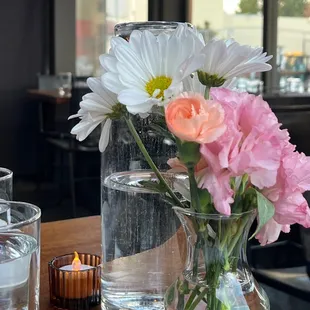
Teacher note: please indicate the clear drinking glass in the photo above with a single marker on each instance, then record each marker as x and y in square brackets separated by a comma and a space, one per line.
[65, 83]
[19, 255]
[6, 184]
[140, 248]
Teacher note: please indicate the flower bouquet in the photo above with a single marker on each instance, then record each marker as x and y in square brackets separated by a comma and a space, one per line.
[238, 162]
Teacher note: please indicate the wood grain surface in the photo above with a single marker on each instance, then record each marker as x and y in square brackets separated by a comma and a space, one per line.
[51, 96]
[84, 235]
[62, 237]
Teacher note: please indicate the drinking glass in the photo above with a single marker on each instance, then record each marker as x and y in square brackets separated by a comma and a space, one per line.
[6, 184]
[19, 255]
[65, 83]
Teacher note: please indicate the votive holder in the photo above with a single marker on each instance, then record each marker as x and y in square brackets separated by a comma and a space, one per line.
[75, 289]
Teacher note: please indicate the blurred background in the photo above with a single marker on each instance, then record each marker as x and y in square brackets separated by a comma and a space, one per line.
[50, 47]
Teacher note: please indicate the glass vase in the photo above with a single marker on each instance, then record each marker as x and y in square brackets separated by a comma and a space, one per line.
[216, 274]
[6, 184]
[140, 247]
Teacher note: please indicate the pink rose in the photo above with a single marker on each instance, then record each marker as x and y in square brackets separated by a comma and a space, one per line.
[192, 118]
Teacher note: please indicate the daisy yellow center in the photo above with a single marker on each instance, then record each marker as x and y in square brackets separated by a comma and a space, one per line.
[160, 82]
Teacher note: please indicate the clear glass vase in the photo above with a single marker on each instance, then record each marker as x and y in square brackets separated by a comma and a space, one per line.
[140, 248]
[216, 274]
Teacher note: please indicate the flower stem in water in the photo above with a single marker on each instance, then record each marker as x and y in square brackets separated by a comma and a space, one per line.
[149, 160]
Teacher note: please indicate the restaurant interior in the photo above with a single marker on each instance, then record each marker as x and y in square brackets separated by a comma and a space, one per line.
[54, 46]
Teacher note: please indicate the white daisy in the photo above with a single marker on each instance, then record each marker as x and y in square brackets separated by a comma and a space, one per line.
[226, 59]
[96, 108]
[148, 70]
[193, 85]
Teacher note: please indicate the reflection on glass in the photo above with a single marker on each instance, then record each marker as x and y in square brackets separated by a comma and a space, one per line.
[95, 21]
[6, 184]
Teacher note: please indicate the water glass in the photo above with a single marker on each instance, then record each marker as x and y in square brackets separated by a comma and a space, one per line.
[19, 255]
[65, 83]
[6, 184]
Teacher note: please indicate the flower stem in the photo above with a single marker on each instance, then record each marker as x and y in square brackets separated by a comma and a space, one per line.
[236, 237]
[191, 298]
[207, 93]
[149, 160]
[193, 188]
[198, 299]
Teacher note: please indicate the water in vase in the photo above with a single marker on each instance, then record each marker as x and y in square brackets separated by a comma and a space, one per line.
[141, 255]
[18, 253]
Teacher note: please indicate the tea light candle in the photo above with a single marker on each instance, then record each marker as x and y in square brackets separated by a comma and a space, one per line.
[77, 285]
[76, 265]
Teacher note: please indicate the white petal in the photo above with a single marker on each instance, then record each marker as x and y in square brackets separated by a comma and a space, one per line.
[94, 106]
[108, 62]
[107, 101]
[192, 84]
[111, 82]
[132, 96]
[128, 57]
[117, 41]
[248, 68]
[83, 129]
[105, 135]
[191, 65]
[141, 108]
[134, 42]
[163, 50]
[129, 78]
[95, 84]
[149, 52]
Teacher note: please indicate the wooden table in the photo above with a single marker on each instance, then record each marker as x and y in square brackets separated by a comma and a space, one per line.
[62, 237]
[84, 235]
[50, 96]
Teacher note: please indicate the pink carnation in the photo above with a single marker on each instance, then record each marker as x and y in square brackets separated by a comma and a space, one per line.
[253, 141]
[271, 231]
[287, 194]
[218, 185]
[296, 169]
[177, 166]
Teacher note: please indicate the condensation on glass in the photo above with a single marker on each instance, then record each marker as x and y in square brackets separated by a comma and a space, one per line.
[139, 228]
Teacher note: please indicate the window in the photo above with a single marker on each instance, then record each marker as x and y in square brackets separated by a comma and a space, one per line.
[95, 21]
[241, 20]
[228, 19]
[293, 46]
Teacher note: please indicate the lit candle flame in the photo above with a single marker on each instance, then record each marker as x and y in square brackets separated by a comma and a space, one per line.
[76, 263]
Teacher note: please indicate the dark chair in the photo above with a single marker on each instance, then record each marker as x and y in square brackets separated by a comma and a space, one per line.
[65, 144]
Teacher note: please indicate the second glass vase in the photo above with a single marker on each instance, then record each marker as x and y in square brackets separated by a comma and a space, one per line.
[216, 274]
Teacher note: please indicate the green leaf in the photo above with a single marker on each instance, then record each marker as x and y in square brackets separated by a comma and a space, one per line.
[206, 204]
[265, 210]
[170, 295]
